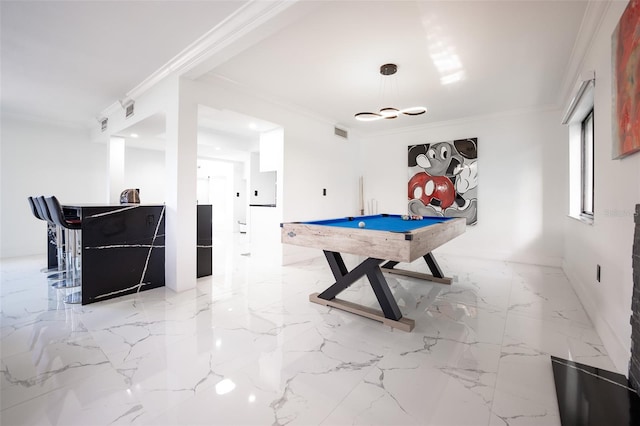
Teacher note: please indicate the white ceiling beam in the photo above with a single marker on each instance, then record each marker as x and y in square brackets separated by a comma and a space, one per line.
[242, 22]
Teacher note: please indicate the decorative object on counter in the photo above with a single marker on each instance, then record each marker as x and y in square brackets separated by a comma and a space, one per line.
[130, 196]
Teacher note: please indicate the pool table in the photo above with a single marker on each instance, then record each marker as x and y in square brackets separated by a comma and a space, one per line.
[386, 240]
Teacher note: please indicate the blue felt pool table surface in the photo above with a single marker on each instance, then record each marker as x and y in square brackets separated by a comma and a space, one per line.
[381, 222]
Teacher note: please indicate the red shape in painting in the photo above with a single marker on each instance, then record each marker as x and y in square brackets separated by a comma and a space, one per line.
[428, 188]
[627, 73]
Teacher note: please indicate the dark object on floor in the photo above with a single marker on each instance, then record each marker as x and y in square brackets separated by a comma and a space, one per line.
[591, 397]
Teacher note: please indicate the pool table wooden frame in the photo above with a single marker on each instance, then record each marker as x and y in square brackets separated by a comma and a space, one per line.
[379, 247]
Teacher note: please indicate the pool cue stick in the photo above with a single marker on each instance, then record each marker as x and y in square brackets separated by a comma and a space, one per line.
[361, 196]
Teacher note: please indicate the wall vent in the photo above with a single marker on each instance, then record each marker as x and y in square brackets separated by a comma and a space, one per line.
[103, 124]
[128, 110]
[340, 132]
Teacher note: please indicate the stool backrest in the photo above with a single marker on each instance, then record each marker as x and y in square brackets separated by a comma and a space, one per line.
[44, 210]
[34, 209]
[55, 209]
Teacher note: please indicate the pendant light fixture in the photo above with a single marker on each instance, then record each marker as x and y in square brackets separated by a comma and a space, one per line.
[389, 112]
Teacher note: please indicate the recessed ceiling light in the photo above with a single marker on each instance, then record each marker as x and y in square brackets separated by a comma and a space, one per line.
[134, 135]
[218, 148]
[253, 126]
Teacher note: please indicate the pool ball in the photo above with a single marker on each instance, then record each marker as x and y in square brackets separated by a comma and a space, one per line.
[361, 224]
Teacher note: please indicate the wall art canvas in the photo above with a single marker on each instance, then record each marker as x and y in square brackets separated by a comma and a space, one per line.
[625, 48]
[443, 179]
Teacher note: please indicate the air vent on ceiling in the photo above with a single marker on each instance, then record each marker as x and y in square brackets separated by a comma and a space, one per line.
[103, 124]
[340, 132]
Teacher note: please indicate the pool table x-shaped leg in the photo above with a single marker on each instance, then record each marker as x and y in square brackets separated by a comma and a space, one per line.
[369, 267]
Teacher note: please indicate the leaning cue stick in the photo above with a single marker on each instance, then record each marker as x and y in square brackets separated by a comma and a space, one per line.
[361, 196]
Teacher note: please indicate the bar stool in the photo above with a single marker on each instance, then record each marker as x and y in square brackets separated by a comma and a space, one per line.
[55, 232]
[51, 232]
[72, 228]
[34, 209]
[65, 251]
[38, 215]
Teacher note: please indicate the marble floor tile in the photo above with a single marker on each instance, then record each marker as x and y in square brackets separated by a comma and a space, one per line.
[103, 398]
[525, 391]
[412, 388]
[37, 371]
[247, 347]
[525, 336]
[545, 293]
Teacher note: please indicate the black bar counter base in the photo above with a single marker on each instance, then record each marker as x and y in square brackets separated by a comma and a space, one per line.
[123, 247]
[589, 396]
[122, 250]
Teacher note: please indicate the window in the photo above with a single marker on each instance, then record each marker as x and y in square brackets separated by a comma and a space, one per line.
[587, 166]
[579, 117]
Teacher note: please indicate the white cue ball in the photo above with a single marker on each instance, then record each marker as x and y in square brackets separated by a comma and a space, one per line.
[361, 224]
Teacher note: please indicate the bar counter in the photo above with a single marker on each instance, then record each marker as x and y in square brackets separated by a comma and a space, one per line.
[122, 248]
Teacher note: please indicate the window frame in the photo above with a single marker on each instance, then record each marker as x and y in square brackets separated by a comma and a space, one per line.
[587, 160]
[581, 106]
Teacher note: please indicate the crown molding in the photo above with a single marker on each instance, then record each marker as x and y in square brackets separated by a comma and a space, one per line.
[240, 23]
[589, 29]
[463, 120]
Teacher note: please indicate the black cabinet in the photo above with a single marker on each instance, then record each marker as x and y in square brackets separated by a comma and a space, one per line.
[205, 241]
[122, 249]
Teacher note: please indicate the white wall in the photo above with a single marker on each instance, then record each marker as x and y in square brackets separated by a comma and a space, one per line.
[522, 182]
[314, 158]
[262, 184]
[44, 159]
[216, 186]
[608, 242]
[240, 203]
[145, 169]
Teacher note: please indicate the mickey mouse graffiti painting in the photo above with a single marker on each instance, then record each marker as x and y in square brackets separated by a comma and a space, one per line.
[443, 179]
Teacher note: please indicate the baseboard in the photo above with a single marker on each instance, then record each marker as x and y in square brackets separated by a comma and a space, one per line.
[619, 354]
[532, 259]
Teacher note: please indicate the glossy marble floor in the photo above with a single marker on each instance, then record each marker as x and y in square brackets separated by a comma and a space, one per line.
[247, 347]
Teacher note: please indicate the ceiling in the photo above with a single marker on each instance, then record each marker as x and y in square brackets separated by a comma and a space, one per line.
[68, 61]
[457, 58]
